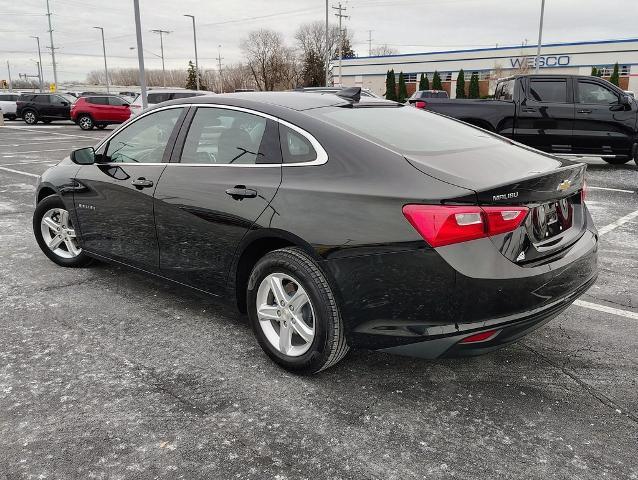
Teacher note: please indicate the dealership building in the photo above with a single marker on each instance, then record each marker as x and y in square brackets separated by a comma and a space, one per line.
[576, 58]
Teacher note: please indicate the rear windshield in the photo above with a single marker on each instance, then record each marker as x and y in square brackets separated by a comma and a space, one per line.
[408, 130]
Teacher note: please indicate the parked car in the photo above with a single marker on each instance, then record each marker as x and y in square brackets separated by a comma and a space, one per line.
[164, 95]
[335, 224]
[128, 94]
[45, 107]
[364, 91]
[562, 114]
[8, 105]
[100, 111]
[419, 98]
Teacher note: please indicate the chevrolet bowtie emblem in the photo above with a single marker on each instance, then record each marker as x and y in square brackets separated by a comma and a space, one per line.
[564, 185]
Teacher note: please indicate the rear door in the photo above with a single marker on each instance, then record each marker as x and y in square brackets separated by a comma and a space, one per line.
[100, 109]
[114, 197]
[224, 173]
[545, 117]
[60, 107]
[602, 125]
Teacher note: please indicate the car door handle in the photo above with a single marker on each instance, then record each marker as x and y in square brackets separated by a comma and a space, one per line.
[584, 111]
[141, 183]
[239, 192]
[529, 109]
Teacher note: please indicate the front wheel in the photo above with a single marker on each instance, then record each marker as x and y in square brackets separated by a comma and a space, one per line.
[85, 122]
[293, 312]
[56, 235]
[29, 117]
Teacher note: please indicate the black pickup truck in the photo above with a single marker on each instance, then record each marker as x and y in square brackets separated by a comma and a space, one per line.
[562, 114]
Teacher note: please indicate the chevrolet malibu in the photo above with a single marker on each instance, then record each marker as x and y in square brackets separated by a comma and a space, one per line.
[334, 222]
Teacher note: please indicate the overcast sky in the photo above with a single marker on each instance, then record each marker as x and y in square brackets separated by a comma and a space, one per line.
[408, 25]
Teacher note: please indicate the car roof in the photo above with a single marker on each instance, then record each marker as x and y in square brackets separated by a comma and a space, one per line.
[293, 100]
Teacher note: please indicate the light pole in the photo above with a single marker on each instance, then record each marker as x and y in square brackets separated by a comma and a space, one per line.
[540, 37]
[140, 52]
[195, 42]
[40, 64]
[327, 45]
[106, 70]
[161, 34]
[9, 70]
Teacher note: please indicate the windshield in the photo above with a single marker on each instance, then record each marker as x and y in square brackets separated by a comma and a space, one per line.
[67, 97]
[408, 130]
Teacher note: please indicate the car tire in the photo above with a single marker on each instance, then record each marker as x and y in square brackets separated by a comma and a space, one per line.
[12, 117]
[617, 160]
[46, 122]
[85, 122]
[289, 298]
[55, 234]
[30, 117]
[101, 127]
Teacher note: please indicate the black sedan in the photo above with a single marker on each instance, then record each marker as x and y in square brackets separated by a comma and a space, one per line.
[334, 222]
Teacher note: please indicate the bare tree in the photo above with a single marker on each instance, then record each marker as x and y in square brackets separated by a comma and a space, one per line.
[268, 58]
[238, 76]
[381, 50]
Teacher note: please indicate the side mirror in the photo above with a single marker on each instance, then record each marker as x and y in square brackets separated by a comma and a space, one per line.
[625, 101]
[83, 156]
[65, 104]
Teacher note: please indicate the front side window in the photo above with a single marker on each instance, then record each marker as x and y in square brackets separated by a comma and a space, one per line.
[548, 91]
[231, 137]
[594, 93]
[117, 101]
[144, 140]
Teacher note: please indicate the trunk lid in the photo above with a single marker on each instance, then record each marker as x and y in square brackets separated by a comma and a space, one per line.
[548, 186]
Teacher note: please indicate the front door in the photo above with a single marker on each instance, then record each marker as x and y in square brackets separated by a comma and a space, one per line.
[221, 178]
[545, 117]
[114, 199]
[603, 126]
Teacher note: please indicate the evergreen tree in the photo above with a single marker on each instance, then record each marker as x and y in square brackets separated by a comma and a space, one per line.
[436, 81]
[191, 79]
[423, 83]
[312, 73]
[346, 48]
[594, 72]
[474, 86]
[460, 85]
[390, 86]
[403, 89]
[615, 76]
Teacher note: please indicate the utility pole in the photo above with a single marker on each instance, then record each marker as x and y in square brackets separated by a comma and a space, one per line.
[140, 53]
[341, 16]
[9, 70]
[52, 47]
[161, 34]
[106, 70]
[327, 45]
[369, 43]
[40, 65]
[219, 64]
[195, 42]
[540, 37]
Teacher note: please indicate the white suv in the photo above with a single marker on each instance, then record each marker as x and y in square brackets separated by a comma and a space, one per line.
[156, 96]
[8, 104]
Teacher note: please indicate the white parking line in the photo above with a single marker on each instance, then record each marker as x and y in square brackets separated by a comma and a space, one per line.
[36, 151]
[606, 309]
[53, 133]
[610, 189]
[621, 221]
[20, 172]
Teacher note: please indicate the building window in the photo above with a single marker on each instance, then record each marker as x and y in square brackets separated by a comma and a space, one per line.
[623, 70]
[409, 77]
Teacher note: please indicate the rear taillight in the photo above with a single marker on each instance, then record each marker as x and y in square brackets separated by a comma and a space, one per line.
[583, 193]
[480, 337]
[441, 225]
[420, 104]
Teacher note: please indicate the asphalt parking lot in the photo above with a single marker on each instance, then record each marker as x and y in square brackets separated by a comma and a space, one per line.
[105, 373]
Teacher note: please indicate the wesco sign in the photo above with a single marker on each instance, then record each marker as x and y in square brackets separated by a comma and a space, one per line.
[548, 61]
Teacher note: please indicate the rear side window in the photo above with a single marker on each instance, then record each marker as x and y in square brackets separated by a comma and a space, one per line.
[295, 148]
[505, 90]
[548, 91]
[97, 100]
[594, 93]
[224, 137]
[159, 97]
[184, 95]
[42, 99]
[26, 98]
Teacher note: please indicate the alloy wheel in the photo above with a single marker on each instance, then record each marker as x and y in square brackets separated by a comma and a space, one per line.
[59, 234]
[285, 314]
[86, 123]
[29, 118]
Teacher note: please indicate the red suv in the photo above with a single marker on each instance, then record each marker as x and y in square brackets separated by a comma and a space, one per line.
[99, 111]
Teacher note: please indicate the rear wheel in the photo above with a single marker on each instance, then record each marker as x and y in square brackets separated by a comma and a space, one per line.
[85, 122]
[56, 235]
[30, 117]
[293, 312]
